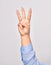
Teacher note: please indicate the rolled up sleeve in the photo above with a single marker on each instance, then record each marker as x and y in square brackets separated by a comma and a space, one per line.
[28, 56]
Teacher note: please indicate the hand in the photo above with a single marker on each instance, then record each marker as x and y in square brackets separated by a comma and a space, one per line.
[24, 23]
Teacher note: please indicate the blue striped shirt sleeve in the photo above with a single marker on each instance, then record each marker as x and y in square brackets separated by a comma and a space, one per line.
[28, 55]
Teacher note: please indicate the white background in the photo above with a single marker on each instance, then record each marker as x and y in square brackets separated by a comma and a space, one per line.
[10, 41]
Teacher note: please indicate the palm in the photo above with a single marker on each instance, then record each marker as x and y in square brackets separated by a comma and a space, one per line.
[25, 27]
[24, 24]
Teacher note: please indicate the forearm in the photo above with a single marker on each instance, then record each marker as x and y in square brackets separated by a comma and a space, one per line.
[28, 55]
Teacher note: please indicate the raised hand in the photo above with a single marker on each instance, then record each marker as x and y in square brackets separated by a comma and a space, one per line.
[24, 23]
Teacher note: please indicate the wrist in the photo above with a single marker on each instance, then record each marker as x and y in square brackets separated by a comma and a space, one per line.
[25, 36]
[25, 40]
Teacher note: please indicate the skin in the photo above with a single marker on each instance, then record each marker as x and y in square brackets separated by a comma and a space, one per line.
[24, 26]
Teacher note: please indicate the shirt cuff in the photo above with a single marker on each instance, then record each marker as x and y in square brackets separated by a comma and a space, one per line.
[26, 49]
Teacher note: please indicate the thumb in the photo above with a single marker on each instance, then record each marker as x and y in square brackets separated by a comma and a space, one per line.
[20, 27]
